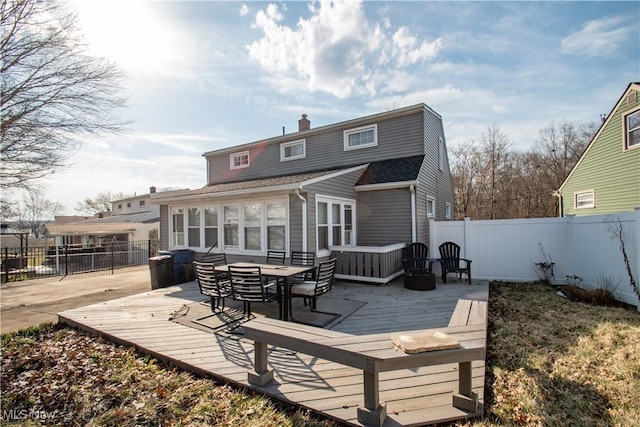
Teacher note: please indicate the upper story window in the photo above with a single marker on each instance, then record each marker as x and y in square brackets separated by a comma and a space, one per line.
[119, 205]
[447, 210]
[632, 130]
[440, 153]
[239, 160]
[128, 204]
[142, 202]
[362, 137]
[293, 150]
[585, 199]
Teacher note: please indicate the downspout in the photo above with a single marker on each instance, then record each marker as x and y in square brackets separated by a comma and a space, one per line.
[304, 218]
[414, 224]
[558, 194]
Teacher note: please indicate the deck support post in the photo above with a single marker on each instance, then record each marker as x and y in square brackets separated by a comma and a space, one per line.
[261, 374]
[465, 399]
[373, 413]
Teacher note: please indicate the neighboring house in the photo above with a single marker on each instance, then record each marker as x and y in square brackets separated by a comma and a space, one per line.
[131, 219]
[371, 181]
[606, 179]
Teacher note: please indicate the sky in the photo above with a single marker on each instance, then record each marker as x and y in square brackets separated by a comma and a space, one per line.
[206, 75]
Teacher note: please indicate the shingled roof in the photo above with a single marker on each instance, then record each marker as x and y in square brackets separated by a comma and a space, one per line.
[392, 170]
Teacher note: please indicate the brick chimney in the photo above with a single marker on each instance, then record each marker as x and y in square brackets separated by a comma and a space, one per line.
[152, 190]
[304, 123]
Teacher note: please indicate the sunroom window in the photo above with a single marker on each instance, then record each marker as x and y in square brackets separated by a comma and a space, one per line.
[254, 226]
[334, 223]
[177, 219]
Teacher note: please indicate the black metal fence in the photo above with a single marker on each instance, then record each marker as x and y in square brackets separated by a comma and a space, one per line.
[43, 261]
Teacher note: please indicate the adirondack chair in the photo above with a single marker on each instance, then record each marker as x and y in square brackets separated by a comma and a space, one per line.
[417, 268]
[450, 261]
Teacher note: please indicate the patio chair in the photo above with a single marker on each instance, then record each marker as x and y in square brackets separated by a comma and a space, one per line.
[312, 289]
[306, 259]
[217, 258]
[212, 285]
[417, 267]
[248, 285]
[276, 257]
[450, 261]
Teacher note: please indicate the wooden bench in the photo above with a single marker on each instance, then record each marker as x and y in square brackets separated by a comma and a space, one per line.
[373, 354]
[469, 312]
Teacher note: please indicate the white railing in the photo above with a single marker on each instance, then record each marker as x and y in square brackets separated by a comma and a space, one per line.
[580, 246]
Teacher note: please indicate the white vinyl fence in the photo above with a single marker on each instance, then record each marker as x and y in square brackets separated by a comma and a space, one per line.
[582, 246]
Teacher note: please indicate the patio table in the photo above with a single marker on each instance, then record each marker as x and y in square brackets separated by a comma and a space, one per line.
[275, 270]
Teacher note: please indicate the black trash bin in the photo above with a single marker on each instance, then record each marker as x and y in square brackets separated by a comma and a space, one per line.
[180, 258]
[161, 268]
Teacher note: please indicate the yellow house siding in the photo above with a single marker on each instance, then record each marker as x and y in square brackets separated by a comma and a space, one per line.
[612, 172]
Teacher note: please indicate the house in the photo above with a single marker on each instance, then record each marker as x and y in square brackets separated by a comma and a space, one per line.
[365, 183]
[130, 219]
[606, 179]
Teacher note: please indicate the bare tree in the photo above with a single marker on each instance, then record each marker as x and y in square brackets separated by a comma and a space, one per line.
[466, 172]
[53, 91]
[495, 144]
[101, 203]
[34, 212]
[558, 148]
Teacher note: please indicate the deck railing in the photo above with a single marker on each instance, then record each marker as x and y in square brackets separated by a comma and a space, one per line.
[375, 264]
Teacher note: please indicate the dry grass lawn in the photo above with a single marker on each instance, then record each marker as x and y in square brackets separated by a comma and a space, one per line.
[551, 362]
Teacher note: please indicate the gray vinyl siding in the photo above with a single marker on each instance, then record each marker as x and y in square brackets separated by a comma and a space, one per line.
[384, 217]
[432, 181]
[295, 223]
[397, 137]
[164, 227]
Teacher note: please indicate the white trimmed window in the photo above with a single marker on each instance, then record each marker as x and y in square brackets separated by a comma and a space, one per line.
[193, 227]
[253, 226]
[239, 160]
[293, 150]
[210, 226]
[334, 223]
[585, 200]
[447, 210]
[177, 231]
[231, 219]
[362, 137]
[632, 130]
[431, 207]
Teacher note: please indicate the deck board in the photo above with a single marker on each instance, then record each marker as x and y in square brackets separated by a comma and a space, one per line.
[413, 396]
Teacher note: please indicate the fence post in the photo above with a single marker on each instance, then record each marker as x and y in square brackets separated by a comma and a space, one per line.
[66, 260]
[465, 232]
[636, 231]
[112, 267]
[149, 248]
[5, 272]
[570, 242]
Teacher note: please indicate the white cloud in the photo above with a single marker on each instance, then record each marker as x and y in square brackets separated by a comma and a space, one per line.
[600, 37]
[336, 50]
[244, 10]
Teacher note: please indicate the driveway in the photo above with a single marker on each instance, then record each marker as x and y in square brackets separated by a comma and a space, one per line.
[31, 302]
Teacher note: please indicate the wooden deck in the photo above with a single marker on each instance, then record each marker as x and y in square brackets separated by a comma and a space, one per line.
[413, 396]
